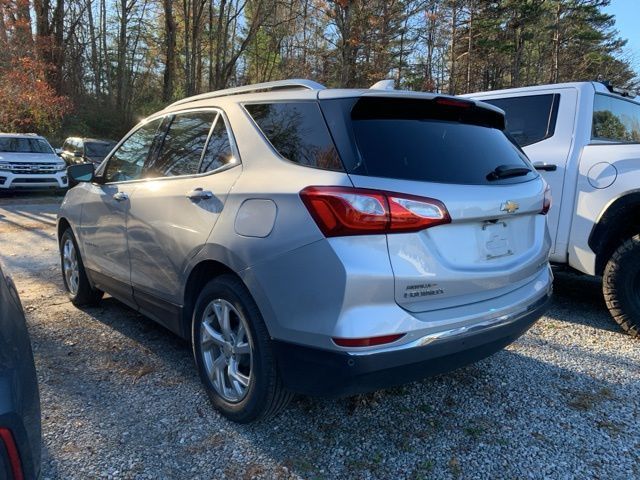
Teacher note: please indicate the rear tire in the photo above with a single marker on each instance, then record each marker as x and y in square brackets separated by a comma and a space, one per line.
[621, 286]
[233, 353]
[79, 290]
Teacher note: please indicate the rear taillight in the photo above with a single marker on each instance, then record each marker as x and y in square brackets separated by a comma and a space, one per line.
[6, 438]
[340, 211]
[546, 203]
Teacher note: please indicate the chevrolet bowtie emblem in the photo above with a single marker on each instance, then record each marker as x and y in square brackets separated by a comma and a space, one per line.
[509, 207]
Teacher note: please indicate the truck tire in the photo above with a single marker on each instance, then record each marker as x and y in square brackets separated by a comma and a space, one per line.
[621, 286]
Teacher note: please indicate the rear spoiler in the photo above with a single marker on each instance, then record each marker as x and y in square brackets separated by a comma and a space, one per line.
[435, 108]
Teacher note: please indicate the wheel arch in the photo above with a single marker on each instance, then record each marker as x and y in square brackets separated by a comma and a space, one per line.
[620, 220]
[63, 224]
[210, 263]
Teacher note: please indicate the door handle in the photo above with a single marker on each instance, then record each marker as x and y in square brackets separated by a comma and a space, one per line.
[200, 194]
[120, 196]
[547, 167]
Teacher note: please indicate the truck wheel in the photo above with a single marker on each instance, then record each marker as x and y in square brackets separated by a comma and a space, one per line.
[621, 286]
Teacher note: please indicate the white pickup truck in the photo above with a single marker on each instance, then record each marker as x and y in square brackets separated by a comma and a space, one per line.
[584, 138]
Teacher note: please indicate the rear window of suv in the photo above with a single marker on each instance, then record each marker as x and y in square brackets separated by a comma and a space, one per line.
[298, 132]
[417, 140]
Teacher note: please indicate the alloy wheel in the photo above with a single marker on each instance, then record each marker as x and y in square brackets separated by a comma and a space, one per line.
[70, 266]
[226, 345]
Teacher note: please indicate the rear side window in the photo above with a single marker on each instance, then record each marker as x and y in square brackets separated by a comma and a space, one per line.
[183, 145]
[615, 119]
[432, 147]
[218, 153]
[298, 132]
[530, 119]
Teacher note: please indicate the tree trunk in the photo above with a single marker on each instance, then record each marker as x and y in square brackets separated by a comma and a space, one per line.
[97, 72]
[121, 59]
[170, 46]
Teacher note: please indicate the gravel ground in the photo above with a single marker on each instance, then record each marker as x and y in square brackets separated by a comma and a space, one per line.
[121, 398]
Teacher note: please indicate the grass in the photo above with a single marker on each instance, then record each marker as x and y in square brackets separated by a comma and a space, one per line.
[586, 400]
[422, 470]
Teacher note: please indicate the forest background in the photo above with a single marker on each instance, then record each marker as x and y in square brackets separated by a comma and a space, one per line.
[96, 67]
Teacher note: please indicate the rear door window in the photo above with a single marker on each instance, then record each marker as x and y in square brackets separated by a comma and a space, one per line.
[298, 132]
[530, 119]
[410, 140]
[615, 120]
[183, 144]
[127, 161]
[218, 153]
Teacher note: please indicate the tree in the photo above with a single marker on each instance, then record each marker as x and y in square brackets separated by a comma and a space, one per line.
[29, 103]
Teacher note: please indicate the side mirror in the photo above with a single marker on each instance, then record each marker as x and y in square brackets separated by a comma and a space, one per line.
[83, 172]
[59, 152]
[77, 154]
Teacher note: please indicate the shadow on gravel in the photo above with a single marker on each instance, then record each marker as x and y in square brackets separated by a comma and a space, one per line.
[502, 408]
[578, 299]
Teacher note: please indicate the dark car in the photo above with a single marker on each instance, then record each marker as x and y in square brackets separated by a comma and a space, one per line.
[83, 150]
[19, 398]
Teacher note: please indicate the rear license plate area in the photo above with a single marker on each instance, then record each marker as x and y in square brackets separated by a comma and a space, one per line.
[496, 240]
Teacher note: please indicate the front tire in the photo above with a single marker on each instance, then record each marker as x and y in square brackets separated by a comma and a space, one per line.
[75, 279]
[233, 353]
[621, 286]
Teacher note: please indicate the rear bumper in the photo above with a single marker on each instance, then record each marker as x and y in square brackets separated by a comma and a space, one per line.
[321, 372]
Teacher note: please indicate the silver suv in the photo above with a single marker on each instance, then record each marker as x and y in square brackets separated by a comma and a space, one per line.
[313, 240]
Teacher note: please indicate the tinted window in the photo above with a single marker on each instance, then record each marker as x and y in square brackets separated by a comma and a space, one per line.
[615, 119]
[298, 133]
[218, 153]
[97, 149]
[183, 145]
[395, 142]
[530, 119]
[127, 161]
[24, 145]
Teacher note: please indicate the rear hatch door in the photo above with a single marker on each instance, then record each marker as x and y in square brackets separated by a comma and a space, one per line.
[453, 151]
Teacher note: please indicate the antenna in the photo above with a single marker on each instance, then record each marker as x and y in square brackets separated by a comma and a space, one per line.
[388, 84]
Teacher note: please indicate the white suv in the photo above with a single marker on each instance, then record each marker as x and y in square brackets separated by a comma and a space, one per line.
[27, 161]
[584, 138]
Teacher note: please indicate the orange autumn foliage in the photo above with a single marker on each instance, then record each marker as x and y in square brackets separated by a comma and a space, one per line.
[27, 102]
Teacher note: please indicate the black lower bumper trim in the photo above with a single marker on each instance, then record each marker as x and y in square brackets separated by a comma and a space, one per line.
[327, 373]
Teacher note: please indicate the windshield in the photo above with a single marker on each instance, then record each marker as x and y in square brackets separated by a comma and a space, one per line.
[24, 145]
[95, 149]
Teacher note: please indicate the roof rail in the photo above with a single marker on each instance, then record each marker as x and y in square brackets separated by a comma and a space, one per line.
[293, 83]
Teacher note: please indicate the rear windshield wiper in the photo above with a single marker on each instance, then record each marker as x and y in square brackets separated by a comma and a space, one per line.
[507, 171]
